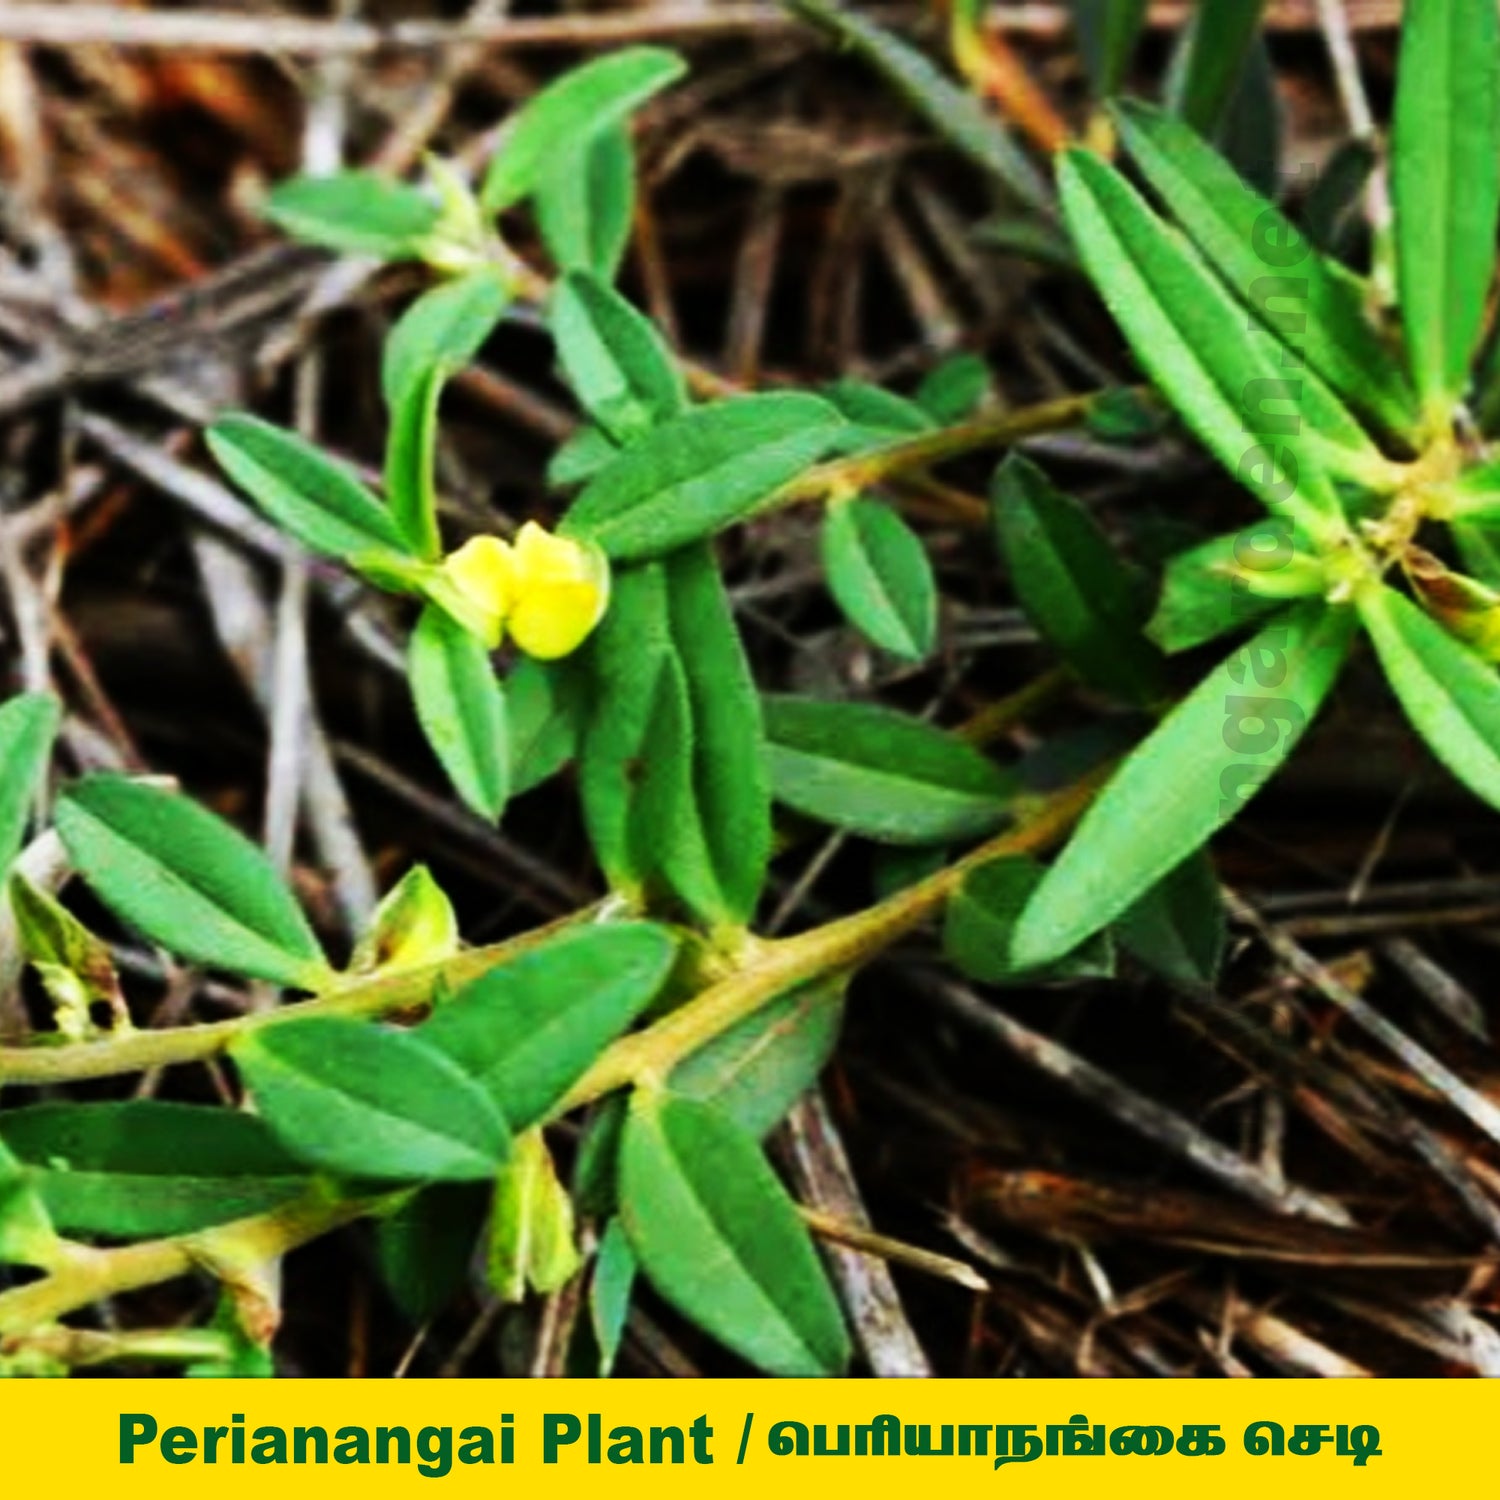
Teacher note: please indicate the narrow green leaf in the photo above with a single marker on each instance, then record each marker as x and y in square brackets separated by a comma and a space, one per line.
[1108, 31]
[1073, 586]
[950, 109]
[701, 472]
[881, 774]
[610, 1291]
[1479, 549]
[626, 655]
[28, 726]
[530, 1028]
[461, 707]
[874, 414]
[979, 924]
[754, 1072]
[1191, 776]
[187, 880]
[952, 390]
[436, 336]
[719, 1238]
[1190, 336]
[141, 1168]
[1178, 928]
[568, 114]
[713, 834]
[358, 213]
[1298, 295]
[545, 707]
[1445, 178]
[368, 1101]
[318, 500]
[878, 571]
[447, 325]
[584, 207]
[1451, 695]
[1231, 581]
[616, 362]
[581, 457]
[1217, 43]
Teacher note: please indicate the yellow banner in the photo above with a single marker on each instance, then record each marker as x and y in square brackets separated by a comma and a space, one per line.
[782, 1439]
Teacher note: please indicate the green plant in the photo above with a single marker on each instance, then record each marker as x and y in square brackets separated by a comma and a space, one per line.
[416, 1085]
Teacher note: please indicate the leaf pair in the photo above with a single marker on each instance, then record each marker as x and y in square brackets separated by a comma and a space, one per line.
[439, 1103]
[672, 774]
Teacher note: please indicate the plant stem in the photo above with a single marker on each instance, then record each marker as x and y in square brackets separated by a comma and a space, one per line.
[137, 1051]
[844, 476]
[772, 968]
[107, 1273]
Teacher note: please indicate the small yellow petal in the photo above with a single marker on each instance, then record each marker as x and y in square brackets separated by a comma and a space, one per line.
[561, 592]
[484, 573]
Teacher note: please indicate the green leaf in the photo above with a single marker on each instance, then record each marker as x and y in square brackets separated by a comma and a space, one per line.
[881, 774]
[705, 795]
[1451, 695]
[952, 390]
[545, 706]
[1217, 44]
[754, 1072]
[1479, 549]
[319, 501]
[28, 726]
[366, 1101]
[617, 364]
[528, 1030]
[1108, 31]
[531, 1242]
[1191, 337]
[878, 571]
[1229, 582]
[27, 1237]
[876, 416]
[1298, 295]
[701, 472]
[609, 1293]
[950, 109]
[627, 656]
[581, 457]
[584, 207]
[142, 1168]
[1190, 776]
[461, 707]
[1445, 179]
[1072, 584]
[447, 325]
[719, 1238]
[187, 880]
[979, 924]
[358, 213]
[1178, 927]
[424, 1248]
[438, 334]
[569, 114]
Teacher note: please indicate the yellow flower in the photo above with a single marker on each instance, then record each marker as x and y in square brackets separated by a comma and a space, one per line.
[483, 572]
[548, 591]
[561, 590]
